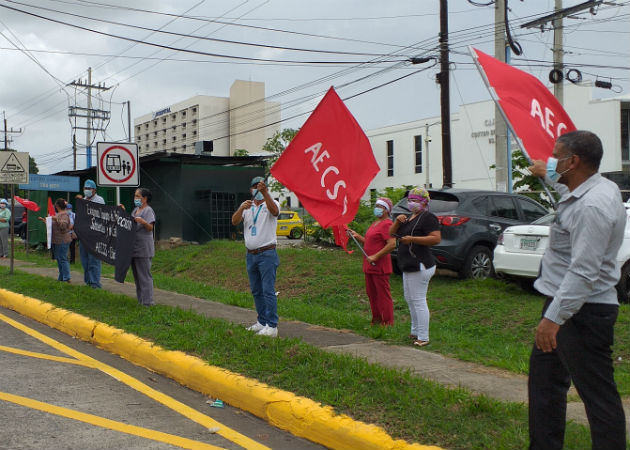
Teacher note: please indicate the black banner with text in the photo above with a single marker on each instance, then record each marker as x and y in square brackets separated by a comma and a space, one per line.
[107, 232]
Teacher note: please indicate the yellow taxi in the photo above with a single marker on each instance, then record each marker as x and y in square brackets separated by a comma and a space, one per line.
[290, 224]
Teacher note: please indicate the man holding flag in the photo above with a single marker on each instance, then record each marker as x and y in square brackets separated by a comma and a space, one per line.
[578, 275]
[260, 218]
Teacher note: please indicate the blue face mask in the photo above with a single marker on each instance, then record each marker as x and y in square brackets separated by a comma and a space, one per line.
[552, 164]
[87, 193]
[137, 202]
[257, 194]
[378, 212]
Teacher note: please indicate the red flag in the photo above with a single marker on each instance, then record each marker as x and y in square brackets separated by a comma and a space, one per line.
[341, 237]
[534, 113]
[51, 208]
[329, 163]
[28, 204]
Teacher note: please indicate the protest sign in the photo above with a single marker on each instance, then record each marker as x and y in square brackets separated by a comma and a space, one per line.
[107, 232]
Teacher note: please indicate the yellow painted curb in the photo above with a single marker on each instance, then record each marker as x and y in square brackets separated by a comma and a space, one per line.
[298, 415]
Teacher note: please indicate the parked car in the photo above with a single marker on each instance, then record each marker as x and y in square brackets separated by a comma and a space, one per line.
[290, 224]
[471, 222]
[520, 249]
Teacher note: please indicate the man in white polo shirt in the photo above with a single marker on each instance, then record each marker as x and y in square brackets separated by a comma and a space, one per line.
[260, 217]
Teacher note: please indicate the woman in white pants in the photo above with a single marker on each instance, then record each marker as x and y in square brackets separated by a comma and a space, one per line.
[415, 260]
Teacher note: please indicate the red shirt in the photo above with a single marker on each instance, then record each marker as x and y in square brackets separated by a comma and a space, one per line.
[376, 238]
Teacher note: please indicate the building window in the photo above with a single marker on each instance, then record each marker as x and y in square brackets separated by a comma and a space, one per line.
[194, 132]
[184, 125]
[183, 113]
[390, 158]
[184, 136]
[155, 123]
[372, 196]
[194, 110]
[625, 136]
[174, 138]
[146, 135]
[194, 121]
[163, 141]
[418, 153]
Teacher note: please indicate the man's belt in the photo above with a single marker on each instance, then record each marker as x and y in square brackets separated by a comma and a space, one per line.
[261, 249]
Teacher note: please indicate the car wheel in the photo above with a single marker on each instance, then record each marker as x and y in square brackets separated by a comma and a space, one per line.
[296, 233]
[623, 287]
[478, 264]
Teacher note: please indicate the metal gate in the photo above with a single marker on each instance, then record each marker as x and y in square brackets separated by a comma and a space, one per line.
[222, 206]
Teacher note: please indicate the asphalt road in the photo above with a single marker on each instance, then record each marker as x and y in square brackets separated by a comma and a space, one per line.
[57, 392]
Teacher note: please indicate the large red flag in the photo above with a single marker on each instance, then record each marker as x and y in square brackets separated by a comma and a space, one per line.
[329, 163]
[533, 112]
[28, 204]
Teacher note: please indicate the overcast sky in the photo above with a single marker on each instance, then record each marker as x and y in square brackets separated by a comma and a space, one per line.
[377, 38]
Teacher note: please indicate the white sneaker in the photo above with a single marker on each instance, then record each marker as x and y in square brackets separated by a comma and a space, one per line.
[268, 331]
[256, 327]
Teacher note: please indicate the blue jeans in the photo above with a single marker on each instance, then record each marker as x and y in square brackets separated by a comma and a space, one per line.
[261, 269]
[61, 255]
[91, 267]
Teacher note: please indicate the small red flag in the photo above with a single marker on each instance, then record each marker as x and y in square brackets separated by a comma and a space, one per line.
[534, 113]
[51, 208]
[329, 163]
[28, 204]
[341, 237]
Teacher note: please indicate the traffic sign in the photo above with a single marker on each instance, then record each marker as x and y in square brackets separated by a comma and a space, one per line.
[13, 167]
[117, 164]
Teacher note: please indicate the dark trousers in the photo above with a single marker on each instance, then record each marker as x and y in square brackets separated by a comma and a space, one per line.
[583, 355]
[73, 250]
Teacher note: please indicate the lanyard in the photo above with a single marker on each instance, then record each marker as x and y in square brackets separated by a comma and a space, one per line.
[257, 212]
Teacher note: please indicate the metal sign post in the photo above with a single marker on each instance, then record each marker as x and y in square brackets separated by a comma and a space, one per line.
[13, 170]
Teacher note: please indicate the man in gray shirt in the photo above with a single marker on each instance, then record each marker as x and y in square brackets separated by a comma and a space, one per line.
[578, 275]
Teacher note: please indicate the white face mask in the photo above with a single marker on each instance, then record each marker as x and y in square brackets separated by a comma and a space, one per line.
[87, 193]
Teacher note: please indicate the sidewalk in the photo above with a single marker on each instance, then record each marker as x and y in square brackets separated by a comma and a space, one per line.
[493, 382]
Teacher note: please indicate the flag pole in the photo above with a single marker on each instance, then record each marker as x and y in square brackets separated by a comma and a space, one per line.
[359, 245]
[495, 97]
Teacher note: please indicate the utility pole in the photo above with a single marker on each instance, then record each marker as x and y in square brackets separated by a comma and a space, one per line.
[558, 52]
[12, 220]
[556, 20]
[500, 127]
[444, 80]
[90, 116]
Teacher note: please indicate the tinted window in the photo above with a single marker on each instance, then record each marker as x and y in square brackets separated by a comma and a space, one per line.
[503, 207]
[531, 211]
[480, 205]
[282, 216]
[545, 220]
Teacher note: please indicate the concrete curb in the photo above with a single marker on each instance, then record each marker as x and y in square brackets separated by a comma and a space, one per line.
[298, 415]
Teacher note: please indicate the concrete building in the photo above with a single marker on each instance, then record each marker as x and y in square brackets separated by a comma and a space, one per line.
[411, 153]
[222, 125]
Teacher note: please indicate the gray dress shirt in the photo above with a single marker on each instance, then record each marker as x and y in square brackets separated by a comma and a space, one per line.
[579, 266]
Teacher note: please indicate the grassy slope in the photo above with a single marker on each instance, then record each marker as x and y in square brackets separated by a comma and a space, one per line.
[406, 406]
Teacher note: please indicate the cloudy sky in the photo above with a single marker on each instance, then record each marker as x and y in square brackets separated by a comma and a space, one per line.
[298, 48]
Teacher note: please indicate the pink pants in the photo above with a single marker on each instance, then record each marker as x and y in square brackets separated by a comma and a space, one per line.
[377, 288]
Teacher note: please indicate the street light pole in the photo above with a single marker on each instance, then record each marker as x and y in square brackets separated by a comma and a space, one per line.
[427, 140]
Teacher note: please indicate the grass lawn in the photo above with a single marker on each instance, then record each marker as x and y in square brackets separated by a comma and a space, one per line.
[490, 322]
[406, 406]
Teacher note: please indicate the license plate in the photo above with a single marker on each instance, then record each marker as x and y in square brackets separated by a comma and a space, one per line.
[529, 243]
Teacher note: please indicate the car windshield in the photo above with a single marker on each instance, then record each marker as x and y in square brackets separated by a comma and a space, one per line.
[545, 220]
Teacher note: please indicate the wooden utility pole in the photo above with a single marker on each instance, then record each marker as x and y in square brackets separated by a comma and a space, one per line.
[500, 127]
[558, 52]
[444, 80]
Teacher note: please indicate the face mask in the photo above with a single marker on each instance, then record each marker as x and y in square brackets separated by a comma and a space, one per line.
[87, 193]
[2, 205]
[257, 195]
[414, 206]
[378, 212]
[552, 164]
[137, 202]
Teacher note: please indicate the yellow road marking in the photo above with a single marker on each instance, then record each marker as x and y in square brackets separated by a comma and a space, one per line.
[181, 408]
[107, 423]
[61, 359]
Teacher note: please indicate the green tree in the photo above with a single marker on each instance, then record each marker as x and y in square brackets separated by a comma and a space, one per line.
[523, 181]
[276, 145]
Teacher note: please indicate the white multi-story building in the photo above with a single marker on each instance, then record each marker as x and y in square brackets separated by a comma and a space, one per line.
[223, 125]
[411, 153]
